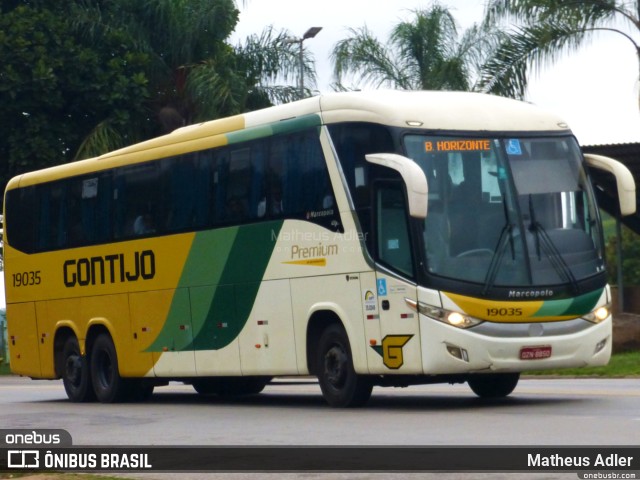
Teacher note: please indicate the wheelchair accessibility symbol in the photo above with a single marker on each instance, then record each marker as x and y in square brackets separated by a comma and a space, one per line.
[382, 287]
[513, 147]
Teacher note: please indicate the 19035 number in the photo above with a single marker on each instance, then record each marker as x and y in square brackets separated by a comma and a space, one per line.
[504, 312]
[26, 279]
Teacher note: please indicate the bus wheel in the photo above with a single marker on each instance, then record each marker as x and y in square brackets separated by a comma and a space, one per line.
[205, 386]
[340, 385]
[76, 377]
[493, 385]
[108, 385]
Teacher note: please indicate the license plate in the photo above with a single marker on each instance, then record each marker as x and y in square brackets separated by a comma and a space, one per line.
[535, 353]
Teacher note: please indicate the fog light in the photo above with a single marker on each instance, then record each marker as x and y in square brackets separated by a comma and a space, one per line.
[459, 353]
[600, 345]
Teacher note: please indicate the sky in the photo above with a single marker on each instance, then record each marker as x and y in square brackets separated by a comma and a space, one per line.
[594, 90]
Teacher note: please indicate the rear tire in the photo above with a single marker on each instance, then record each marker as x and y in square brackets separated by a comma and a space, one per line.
[108, 385]
[493, 385]
[76, 376]
[340, 385]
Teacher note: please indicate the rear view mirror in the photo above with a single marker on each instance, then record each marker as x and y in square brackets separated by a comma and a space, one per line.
[413, 176]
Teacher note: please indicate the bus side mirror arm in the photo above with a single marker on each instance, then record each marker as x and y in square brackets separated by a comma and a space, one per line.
[413, 176]
[624, 180]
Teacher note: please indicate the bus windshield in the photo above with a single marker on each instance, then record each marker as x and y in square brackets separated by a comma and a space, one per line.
[508, 211]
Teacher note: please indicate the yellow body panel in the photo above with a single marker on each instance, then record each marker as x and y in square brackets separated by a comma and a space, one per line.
[84, 287]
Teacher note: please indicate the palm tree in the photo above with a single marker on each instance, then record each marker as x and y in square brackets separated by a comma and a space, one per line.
[194, 74]
[424, 53]
[270, 62]
[177, 37]
[545, 30]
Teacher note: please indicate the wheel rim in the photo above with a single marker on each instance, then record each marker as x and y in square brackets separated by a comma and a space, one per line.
[335, 366]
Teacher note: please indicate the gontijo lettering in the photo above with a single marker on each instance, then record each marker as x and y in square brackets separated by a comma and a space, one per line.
[116, 268]
[471, 145]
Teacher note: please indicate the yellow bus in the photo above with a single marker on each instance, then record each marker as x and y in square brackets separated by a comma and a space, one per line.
[380, 238]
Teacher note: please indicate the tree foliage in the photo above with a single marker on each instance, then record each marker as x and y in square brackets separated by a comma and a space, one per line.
[541, 31]
[270, 62]
[425, 52]
[630, 258]
[54, 88]
[79, 78]
[183, 40]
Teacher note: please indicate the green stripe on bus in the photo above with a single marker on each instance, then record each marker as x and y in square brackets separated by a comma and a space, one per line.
[223, 274]
[575, 307]
[284, 126]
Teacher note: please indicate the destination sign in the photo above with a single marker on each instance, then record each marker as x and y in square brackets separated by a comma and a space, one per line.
[470, 145]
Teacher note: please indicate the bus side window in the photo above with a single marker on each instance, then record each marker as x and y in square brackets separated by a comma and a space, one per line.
[135, 193]
[24, 226]
[238, 186]
[257, 181]
[181, 191]
[205, 197]
[306, 183]
[394, 248]
[275, 204]
[219, 174]
[76, 233]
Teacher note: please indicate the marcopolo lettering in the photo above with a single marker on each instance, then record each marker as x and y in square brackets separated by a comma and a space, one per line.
[115, 268]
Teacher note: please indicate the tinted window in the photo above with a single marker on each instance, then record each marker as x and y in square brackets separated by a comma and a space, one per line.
[283, 176]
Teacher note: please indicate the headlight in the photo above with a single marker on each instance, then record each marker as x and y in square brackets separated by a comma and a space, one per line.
[598, 315]
[449, 317]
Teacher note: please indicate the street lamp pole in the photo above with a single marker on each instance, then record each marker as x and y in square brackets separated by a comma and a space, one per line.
[312, 32]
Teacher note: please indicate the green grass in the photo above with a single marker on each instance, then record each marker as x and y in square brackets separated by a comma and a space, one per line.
[621, 365]
[4, 368]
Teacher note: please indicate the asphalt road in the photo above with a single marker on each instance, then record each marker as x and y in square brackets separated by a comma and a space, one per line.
[541, 412]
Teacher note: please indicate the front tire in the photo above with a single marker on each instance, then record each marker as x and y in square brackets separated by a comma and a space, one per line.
[340, 385]
[493, 385]
[108, 385]
[76, 376]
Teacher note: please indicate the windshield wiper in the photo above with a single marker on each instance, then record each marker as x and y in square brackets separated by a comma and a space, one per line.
[546, 245]
[506, 237]
[496, 259]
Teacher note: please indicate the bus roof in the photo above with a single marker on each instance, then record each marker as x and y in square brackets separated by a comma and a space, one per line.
[432, 110]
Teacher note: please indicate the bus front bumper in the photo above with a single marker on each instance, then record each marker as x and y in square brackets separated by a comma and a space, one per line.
[447, 349]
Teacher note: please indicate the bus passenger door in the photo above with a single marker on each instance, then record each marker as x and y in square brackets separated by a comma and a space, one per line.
[399, 346]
